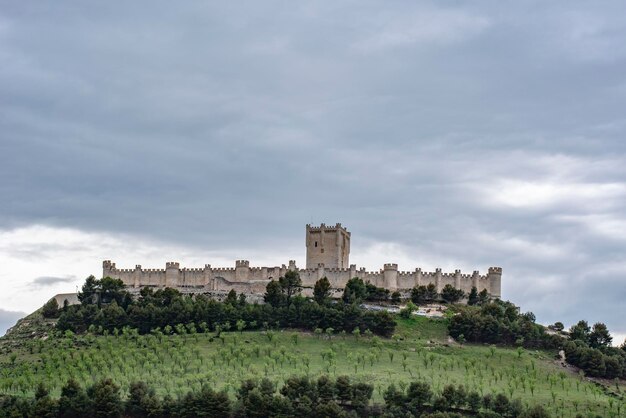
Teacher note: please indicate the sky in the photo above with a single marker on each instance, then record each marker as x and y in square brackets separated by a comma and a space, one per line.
[441, 134]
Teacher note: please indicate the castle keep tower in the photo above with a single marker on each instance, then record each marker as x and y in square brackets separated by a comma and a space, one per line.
[328, 245]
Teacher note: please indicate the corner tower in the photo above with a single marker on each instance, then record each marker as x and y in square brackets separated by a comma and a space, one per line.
[328, 245]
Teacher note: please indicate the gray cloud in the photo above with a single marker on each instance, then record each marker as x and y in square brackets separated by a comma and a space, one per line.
[50, 280]
[8, 319]
[475, 134]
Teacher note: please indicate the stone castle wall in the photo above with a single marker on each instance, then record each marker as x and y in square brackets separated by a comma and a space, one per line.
[246, 279]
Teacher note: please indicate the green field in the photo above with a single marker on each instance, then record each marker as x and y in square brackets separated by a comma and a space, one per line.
[179, 363]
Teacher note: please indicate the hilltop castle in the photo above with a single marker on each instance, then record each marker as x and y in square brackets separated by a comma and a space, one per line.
[327, 255]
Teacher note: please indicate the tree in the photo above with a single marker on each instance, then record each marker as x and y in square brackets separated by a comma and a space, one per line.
[592, 362]
[500, 403]
[395, 297]
[44, 406]
[231, 298]
[431, 292]
[529, 316]
[536, 411]
[558, 326]
[205, 403]
[354, 291]
[88, 295]
[73, 402]
[113, 290]
[473, 401]
[290, 284]
[418, 395]
[242, 299]
[50, 309]
[321, 290]
[451, 294]
[472, 299]
[142, 401]
[483, 297]
[394, 396]
[376, 294]
[599, 336]
[41, 391]
[106, 399]
[111, 316]
[241, 325]
[580, 332]
[105, 290]
[361, 394]
[408, 310]
[273, 294]
[418, 295]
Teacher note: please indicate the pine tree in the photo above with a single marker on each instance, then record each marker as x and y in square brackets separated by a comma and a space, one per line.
[472, 299]
[290, 284]
[107, 402]
[73, 402]
[231, 298]
[273, 294]
[599, 336]
[50, 309]
[321, 290]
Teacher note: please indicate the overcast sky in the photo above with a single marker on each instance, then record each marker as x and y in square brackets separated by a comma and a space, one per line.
[444, 134]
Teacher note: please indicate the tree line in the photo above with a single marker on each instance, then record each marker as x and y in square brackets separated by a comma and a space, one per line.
[106, 306]
[501, 322]
[357, 290]
[590, 349]
[299, 396]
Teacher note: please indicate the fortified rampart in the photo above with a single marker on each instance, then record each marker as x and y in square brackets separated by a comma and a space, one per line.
[244, 278]
[253, 280]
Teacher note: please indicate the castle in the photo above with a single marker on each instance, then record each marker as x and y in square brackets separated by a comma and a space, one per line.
[327, 255]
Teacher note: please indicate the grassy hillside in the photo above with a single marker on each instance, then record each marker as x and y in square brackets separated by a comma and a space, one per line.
[176, 364]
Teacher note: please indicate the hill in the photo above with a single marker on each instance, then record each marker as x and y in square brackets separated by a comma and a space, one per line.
[420, 351]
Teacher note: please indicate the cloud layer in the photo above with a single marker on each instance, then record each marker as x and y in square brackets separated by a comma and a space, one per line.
[8, 319]
[463, 135]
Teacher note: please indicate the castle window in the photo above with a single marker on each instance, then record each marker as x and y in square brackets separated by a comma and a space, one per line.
[322, 251]
[315, 244]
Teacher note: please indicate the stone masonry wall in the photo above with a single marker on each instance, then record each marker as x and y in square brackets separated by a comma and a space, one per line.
[253, 280]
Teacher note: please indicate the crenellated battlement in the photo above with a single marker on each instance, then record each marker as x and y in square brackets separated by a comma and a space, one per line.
[324, 227]
[337, 270]
[328, 249]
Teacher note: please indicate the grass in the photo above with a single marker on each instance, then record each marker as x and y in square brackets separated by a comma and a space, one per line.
[176, 364]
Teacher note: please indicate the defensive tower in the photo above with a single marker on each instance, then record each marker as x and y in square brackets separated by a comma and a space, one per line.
[327, 245]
